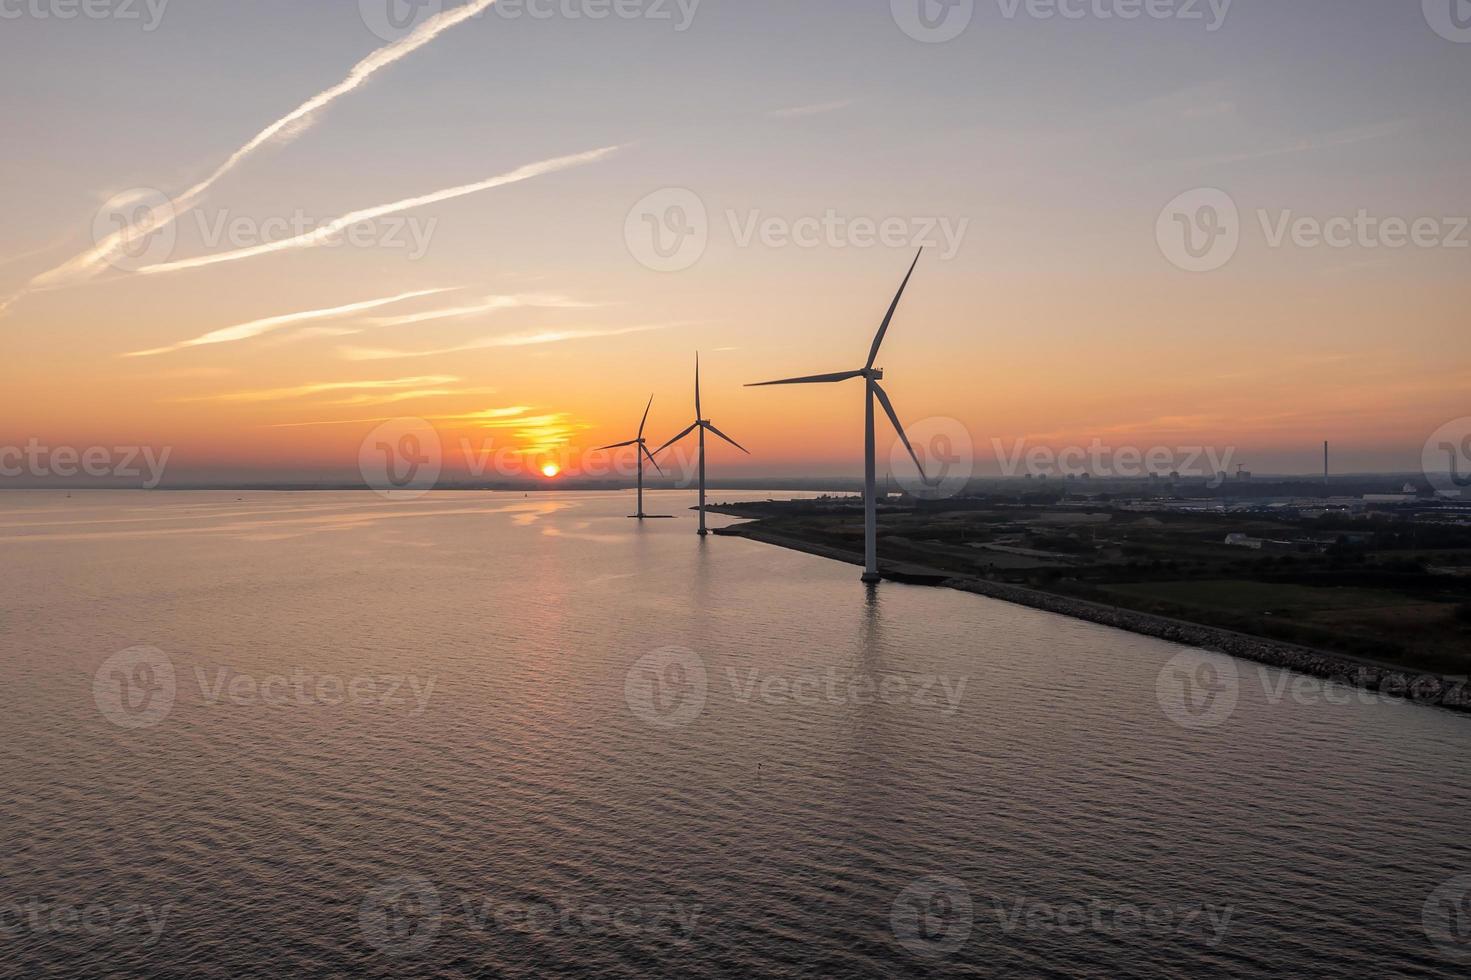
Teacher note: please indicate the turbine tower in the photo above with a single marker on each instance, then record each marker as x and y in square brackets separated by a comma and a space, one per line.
[643, 450]
[703, 425]
[872, 376]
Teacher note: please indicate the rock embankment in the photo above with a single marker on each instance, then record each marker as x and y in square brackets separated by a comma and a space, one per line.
[1424, 688]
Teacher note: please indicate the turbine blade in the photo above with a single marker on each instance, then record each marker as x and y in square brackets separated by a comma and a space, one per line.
[671, 442]
[653, 460]
[727, 438]
[878, 339]
[616, 446]
[697, 385]
[646, 416]
[816, 379]
[894, 417]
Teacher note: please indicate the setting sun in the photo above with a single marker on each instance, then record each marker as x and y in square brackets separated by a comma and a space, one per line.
[550, 471]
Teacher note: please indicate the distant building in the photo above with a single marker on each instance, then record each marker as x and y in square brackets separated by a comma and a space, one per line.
[1244, 541]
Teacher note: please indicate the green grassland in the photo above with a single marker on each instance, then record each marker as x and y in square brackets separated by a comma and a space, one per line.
[1386, 591]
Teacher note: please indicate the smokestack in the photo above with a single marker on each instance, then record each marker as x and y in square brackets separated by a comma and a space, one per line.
[1325, 464]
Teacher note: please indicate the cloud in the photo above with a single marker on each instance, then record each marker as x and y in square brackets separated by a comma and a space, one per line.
[552, 336]
[802, 111]
[96, 259]
[536, 434]
[491, 304]
[326, 233]
[244, 331]
[322, 387]
[1308, 144]
[404, 396]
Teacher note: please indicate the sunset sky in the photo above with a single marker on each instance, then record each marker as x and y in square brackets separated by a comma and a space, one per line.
[1049, 146]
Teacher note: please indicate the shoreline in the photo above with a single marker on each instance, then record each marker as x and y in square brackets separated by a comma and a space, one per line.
[1420, 687]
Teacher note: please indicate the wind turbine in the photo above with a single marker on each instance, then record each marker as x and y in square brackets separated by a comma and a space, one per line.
[643, 450]
[872, 376]
[703, 425]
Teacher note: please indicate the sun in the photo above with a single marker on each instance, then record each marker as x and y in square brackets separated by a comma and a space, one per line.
[550, 471]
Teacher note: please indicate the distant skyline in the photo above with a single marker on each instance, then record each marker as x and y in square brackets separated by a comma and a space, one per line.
[1244, 233]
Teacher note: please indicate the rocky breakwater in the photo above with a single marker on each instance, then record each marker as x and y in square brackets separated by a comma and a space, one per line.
[1417, 686]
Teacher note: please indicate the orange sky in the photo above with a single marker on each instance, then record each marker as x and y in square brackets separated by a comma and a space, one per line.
[1057, 318]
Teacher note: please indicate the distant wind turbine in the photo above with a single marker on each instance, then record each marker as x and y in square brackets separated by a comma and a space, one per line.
[643, 450]
[871, 376]
[703, 425]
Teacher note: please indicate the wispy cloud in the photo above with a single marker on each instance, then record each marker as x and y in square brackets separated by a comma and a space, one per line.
[244, 331]
[802, 111]
[553, 336]
[95, 259]
[328, 232]
[490, 304]
[488, 413]
[535, 434]
[1310, 144]
[411, 395]
[323, 387]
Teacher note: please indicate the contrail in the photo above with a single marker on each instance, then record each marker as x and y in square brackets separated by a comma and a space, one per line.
[324, 234]
[553, 336]
[491, 304]
[321, 387]
[244, 331]
[92, 261]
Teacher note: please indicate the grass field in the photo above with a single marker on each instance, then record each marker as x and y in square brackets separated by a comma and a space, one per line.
[1377, 623]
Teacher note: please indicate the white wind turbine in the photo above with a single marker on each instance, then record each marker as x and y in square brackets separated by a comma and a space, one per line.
[643, 450]
[703, 425]
[871, 376]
